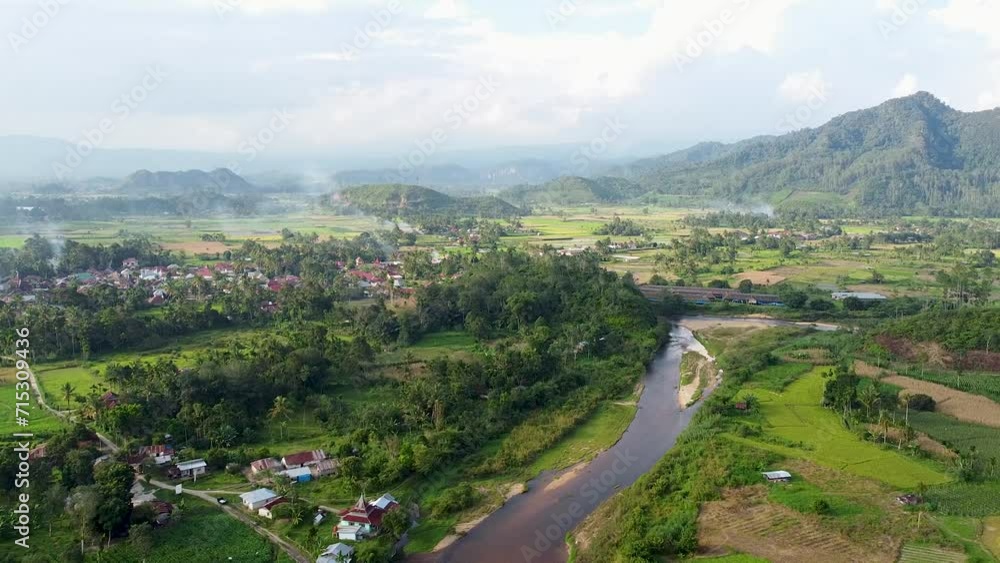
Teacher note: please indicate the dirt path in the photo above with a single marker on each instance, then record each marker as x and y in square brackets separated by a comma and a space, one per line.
[287, 547]
[952, 402]
[65, 415]
[290, 549]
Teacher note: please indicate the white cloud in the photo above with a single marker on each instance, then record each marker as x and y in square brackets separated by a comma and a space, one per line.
[329, 56]
[979, 16]
[261, 7]
[447, 10]
[803, 86]
[906, 86]
[885, 5]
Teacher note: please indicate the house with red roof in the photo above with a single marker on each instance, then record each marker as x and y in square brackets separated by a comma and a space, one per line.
[225, 268]
[364, 518]
[303, 459]
[266, 510]
[266, 464]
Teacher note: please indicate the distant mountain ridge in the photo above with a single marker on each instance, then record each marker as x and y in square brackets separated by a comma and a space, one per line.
[220, 179]
[454, 176]
[569, 190]
[906, 155]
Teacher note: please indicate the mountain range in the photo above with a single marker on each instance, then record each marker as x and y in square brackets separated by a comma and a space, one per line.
[907, 154]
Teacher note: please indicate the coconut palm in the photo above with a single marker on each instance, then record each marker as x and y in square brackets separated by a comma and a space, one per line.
[280, 410]
[67, 392]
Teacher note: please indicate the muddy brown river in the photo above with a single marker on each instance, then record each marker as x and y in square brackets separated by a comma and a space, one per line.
[531, 527]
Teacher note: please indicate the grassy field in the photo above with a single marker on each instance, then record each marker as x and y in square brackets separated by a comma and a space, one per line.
[175, 233]
[796, 416]
[53, 380]
[41, 421]
[803, 497]
[202, 533]
[430, 347]
[180, 350]
[598, 433]
[777, 377]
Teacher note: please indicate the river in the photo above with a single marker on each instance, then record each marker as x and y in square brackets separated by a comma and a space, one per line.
[531, 527]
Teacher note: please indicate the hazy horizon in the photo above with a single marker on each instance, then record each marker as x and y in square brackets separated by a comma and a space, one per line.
[382, 79]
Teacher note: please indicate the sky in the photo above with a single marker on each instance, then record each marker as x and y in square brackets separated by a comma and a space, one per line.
[383, 77]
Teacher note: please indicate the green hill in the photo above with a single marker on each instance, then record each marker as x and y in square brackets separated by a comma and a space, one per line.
[574, 190]
[398, 200]
[913, 154]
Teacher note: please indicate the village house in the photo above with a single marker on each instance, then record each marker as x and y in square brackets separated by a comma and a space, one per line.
[364, 519]
[264, 465]
[298, 475]
[38, 452]
[303, 459]
[225, 268]
[162, 454]
[163, 511]
[188, 469]
[130, 263]
[152, 274]
[337, 553]
[255, 500]
[266, 510]
[325, 467]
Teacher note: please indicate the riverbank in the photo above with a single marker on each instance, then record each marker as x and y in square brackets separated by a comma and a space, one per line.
[535, 523]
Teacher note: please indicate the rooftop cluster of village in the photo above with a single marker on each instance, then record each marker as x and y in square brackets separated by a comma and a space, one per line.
[160, 283]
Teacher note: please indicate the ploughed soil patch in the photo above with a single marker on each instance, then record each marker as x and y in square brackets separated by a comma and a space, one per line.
[761, 278]
[952, 402]
[936, 355]
[744, 521]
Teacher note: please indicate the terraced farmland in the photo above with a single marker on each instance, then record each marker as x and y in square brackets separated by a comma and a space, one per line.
[919, 553]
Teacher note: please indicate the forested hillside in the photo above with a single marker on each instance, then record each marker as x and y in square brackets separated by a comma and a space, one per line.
[912, 154]
[398, 200]
[574, 190]
[968, 328]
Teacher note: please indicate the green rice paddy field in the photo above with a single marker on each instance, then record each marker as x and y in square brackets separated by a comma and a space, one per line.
[796, 416]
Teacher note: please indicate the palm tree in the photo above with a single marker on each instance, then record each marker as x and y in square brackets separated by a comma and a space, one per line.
[869, 397]
[67, 392]
[280, 409]
[904, 398]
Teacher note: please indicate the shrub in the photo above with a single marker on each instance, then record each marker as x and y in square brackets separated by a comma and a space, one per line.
[822, 507]
[454, 500]
[922, 402]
